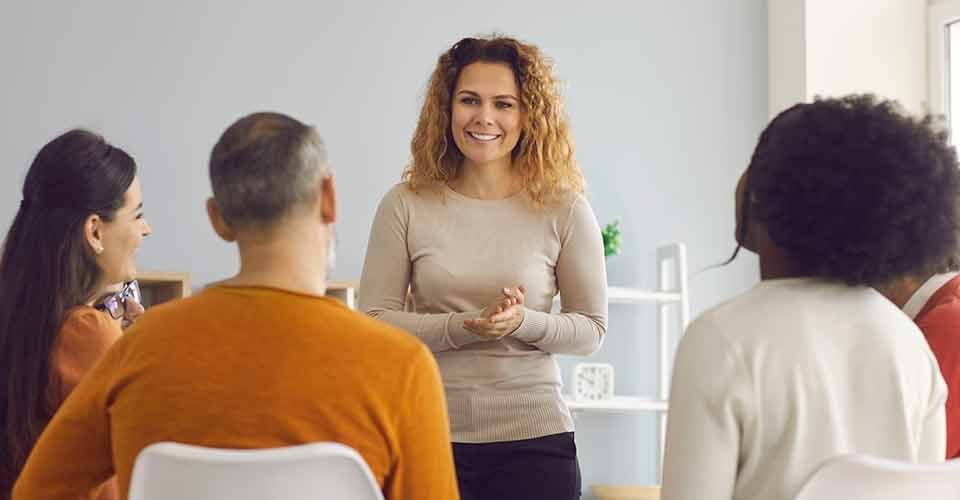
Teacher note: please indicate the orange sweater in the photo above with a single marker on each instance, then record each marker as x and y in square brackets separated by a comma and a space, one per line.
[84, 338]
[239, 367]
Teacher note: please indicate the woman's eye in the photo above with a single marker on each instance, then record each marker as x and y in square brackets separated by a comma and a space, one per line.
[470, 100]
[504, 105]
[140, 215]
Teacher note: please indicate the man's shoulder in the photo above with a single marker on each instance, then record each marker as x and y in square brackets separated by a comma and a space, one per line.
[943, 307]
[944, 313]
[265, 311]
[379, 331]
[176, 307]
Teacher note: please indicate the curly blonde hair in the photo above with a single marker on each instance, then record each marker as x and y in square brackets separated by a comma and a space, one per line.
[544, 155]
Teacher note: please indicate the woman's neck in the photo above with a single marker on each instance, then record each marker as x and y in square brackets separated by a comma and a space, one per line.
[492, 181]
[102, 290]
[900, 291]
[775, 262]
[776, 267]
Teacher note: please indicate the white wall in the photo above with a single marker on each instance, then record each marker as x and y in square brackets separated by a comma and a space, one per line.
[787, 54]
[666, 100]
[849, 46]
[868, 45]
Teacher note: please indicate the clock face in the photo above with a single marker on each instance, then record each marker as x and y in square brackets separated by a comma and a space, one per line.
[593, 381]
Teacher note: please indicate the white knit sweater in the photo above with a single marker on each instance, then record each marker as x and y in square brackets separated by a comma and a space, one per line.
[769, 385]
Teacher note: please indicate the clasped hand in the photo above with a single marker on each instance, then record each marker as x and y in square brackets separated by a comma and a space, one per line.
[500, 318]
[133, 311]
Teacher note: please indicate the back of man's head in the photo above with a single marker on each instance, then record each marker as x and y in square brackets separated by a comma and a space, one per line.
[265, 167]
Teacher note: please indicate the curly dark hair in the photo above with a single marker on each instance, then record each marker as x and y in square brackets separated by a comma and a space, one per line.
[855, 190]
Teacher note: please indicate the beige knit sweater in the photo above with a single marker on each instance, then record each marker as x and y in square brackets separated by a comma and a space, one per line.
[455, 254]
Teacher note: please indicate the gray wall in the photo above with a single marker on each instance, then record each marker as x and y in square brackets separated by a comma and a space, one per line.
[666, 100]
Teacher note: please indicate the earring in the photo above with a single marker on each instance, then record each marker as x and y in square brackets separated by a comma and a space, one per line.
[99, 250]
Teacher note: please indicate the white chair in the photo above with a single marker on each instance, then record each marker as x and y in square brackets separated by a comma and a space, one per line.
[318, 471]
[864, 477]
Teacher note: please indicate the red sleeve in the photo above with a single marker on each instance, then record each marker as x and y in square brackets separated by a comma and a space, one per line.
[941, 327]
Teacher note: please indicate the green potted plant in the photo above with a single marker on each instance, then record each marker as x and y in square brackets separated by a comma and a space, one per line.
[611, 238]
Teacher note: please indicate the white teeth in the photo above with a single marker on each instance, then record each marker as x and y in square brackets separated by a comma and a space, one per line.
[482, 137]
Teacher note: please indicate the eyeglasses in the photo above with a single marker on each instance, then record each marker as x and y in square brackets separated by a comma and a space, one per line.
[116, 303]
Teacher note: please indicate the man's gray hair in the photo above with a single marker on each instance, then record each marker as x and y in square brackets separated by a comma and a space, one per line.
[265, 166]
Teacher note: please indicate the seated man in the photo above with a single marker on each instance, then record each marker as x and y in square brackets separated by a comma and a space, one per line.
[934, 304]
[262, 359]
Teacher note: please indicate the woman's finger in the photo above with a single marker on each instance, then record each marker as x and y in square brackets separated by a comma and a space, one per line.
[515, 293]
[504, 316]
[473, 326]
[503, 305]
[485, 328]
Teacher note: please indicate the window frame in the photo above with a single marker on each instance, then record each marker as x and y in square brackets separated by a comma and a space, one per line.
[940, 15]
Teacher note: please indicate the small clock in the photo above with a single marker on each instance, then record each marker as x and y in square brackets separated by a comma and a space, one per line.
[593, 381]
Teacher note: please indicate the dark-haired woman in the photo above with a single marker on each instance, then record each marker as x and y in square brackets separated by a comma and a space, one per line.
[841, 196]
[72, 240]
[489, 227]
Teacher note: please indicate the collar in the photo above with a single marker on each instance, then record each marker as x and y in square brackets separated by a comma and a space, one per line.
[923, 294]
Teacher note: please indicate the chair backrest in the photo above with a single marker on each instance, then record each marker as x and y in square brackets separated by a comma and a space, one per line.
[318, 471]
[870, 478]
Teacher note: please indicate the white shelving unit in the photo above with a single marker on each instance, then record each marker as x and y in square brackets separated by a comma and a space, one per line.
[346, 291]
[670, 294]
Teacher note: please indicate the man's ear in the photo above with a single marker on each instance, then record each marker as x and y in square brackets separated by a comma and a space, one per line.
[328, 201]
[220, 226]
[93, 234]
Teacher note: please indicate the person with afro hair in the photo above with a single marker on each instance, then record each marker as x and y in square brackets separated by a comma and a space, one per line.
[841, 196]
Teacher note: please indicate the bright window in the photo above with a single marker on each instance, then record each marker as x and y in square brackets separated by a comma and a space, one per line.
[944, 63]
[952, 63]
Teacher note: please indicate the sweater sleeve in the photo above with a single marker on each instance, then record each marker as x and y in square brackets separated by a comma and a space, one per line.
[582, 280]
[386, 279]
[708, 398]
[941, 328]
[424, 467]
[84, 339]
[73, 456]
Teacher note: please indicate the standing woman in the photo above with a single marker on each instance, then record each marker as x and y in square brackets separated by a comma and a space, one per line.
[73, 238]
[489, 226]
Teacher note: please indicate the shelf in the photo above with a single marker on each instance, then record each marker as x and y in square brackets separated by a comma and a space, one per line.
[343, 290]
[619, 404]
[157, 287]
[625, 295]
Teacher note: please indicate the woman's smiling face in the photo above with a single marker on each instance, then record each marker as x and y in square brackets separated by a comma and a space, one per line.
[486, 116]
